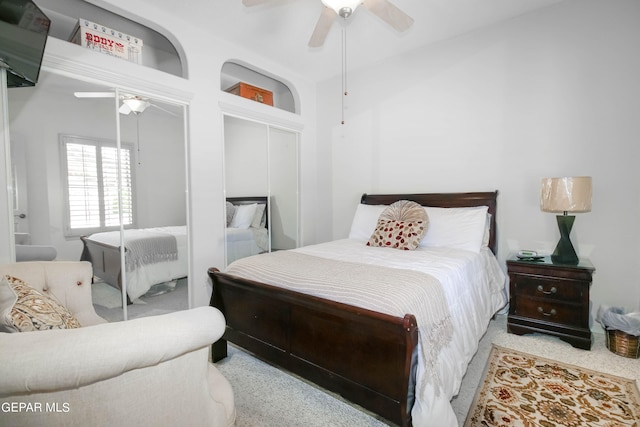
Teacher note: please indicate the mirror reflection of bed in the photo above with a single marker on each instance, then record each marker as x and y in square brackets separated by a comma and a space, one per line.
[155, 273]
[158, 170]
[247, 230]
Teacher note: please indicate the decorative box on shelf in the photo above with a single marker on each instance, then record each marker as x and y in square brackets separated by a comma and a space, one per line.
[108, 41]
[252, 92]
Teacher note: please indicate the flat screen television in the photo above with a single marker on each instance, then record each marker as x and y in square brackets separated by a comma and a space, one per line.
[23, 36]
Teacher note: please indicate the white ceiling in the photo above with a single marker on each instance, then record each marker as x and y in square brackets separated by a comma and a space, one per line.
[281, 29]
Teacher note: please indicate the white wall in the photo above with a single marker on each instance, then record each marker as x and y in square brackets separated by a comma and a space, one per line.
[283, 187]
[551, 93]
[160, 167]
[246, 165]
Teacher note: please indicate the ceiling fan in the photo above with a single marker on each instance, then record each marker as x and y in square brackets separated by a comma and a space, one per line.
[130, 103]
[383, 9]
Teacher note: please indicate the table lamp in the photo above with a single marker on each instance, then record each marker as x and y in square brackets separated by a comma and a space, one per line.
[566, 195]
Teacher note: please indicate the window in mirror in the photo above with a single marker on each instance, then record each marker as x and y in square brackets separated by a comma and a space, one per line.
[90, 168]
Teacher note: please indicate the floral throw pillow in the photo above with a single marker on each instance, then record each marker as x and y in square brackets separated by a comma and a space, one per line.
[24, 309]
[402, 225]
[390, 233]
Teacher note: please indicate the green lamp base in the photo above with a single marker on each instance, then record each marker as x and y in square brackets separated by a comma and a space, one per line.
[564, 252]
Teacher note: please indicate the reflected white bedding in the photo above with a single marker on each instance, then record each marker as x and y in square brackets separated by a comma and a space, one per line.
[474, 289]
[140, 280]
[244, 242]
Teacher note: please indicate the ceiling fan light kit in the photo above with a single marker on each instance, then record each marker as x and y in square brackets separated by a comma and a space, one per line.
[383, 9]
[136, 104]
[343, 8]
[130, 103]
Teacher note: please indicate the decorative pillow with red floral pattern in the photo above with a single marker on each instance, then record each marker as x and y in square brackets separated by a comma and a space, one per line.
[405, 235]
[402, 225]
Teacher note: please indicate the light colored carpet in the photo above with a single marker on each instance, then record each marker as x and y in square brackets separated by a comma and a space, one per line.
[160, 299]
[266, 396]
[107, 296]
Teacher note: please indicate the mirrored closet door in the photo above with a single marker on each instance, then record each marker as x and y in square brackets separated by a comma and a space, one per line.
[95, 167]
[261, 186]
[154, 206]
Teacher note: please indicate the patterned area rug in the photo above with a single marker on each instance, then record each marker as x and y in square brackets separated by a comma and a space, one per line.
[519, 389]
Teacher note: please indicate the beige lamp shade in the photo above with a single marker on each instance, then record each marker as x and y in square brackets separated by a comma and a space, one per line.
[567, 194]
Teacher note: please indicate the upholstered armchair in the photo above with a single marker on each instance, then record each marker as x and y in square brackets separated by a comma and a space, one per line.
[148, 371]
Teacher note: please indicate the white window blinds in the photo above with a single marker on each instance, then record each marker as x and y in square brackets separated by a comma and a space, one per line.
[92, 185]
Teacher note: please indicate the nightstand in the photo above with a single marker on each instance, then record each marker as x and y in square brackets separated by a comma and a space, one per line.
[551, 299]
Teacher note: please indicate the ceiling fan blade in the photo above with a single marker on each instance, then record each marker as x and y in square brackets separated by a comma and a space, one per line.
[124, 109]
[389, 14]
[323, 26]
[94, 94]
[249, 3]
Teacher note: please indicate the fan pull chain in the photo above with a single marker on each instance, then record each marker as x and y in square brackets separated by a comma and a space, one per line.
[138, 137]
[344, 68]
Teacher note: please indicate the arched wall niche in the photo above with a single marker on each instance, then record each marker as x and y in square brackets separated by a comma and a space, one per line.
[161, 50]
[285, 96]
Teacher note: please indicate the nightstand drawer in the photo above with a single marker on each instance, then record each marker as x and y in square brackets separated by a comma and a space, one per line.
[548, 310]
[548, 288]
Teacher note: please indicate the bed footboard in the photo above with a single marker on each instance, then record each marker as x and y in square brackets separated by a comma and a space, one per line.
[105, 260]
[362, 355]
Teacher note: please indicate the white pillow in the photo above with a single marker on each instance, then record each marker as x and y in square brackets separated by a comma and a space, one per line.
[243, 216]
[365, 221]
[230, 210]
[487, 232]
[258, 217]
[460, 228]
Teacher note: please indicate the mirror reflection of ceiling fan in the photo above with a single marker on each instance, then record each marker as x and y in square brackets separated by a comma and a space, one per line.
[383, 9]
[130, 103]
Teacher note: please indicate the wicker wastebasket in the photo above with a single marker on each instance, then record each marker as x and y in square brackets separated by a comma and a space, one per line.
[623, 344]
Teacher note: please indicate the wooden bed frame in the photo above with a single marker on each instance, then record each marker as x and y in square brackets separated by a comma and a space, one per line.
[363, 355]
[105, 260]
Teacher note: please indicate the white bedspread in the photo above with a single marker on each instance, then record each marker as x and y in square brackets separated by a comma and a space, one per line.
[143, 276]
[473, 285]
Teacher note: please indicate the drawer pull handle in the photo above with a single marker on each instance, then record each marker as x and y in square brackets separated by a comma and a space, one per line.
[551, 313]
[553, 290]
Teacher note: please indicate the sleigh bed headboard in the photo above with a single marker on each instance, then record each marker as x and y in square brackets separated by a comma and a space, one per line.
[446, 200]
[248, 200]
